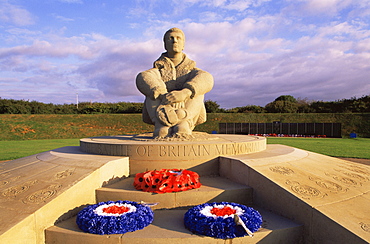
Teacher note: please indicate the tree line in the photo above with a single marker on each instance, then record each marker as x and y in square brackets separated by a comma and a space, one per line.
[289, 104]
[282, 104]
[11, 106]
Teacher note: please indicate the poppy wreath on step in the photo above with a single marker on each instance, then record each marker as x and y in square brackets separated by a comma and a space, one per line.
[117, 217]
[166, 180]
[224, 220]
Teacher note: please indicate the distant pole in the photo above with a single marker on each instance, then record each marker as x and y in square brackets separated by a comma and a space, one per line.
[77, 99]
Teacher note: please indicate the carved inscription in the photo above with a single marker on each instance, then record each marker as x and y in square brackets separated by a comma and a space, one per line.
[42, 195]
[144, 151]
[365, 226]
[358, 169]
[16, 190]
[184, 150]
[305, 191]
[282, 170]
[345, 180]
[329, 185]
[190, 150]
[354, 175]
[5, 182]
[63, 174]
[140, 147]
[234, 148]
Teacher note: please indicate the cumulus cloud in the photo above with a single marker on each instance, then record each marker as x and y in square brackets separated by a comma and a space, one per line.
[319, 67]
[62, 18]
[16, 15]
[253, 59]
[238, 5]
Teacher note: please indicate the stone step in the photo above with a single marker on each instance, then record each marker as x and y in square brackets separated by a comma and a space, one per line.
[168, 227]
[213, 189]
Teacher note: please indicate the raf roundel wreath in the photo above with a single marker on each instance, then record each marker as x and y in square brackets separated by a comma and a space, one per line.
[218, 220]
[117, 217]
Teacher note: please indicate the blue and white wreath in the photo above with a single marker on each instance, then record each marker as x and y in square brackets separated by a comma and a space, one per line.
[116, 217]
[223, 220]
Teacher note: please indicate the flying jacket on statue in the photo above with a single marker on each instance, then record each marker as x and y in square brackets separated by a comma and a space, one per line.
[164, 78]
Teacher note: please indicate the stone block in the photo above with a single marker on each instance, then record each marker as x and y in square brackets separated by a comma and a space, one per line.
[40, 189]
[234, 169]
[310, 188]
[212, 189]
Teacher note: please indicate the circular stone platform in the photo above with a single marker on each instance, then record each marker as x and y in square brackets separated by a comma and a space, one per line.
[202, 147]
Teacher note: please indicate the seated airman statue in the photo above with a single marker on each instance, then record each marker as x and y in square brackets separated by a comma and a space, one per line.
[174, 89]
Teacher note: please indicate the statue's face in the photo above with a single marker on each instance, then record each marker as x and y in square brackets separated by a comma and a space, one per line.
[174, 42]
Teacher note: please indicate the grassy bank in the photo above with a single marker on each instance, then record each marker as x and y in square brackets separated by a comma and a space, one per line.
[34, 127]
[47, 132]
[51, 126]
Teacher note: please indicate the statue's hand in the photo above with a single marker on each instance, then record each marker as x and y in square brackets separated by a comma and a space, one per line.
[176, 96]
[158, 93]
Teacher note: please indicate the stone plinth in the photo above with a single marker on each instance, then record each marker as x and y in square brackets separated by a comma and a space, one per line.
[199, 154]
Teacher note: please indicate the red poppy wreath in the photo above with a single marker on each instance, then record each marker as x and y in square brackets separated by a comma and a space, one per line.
[166, 180]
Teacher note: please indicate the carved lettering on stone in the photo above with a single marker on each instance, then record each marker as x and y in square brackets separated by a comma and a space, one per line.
[7, 181]
[12, 192]
[305, 191]
[354, 175]
[345, 180]
[329, 185]
[184, 150]
[64, 174]
[365, 226]
[357, 169]
[42, 195]
[282, 170]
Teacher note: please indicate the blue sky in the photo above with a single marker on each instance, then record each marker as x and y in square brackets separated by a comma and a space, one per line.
[257, 50]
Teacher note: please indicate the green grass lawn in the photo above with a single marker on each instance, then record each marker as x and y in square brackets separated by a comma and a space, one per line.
[336, 147]
[18, 149]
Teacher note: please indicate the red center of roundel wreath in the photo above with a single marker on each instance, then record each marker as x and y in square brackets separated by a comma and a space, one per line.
[116, 209]
[223, 211]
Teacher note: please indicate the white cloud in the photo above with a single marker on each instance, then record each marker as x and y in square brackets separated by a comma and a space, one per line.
[62, 18]
[15, 15]
[253, 59]
[238, 5]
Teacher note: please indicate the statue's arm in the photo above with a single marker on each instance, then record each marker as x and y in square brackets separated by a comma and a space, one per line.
[150, 83]
[199, 83]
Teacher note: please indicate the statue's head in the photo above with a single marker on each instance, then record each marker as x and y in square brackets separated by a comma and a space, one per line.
[174, 40]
